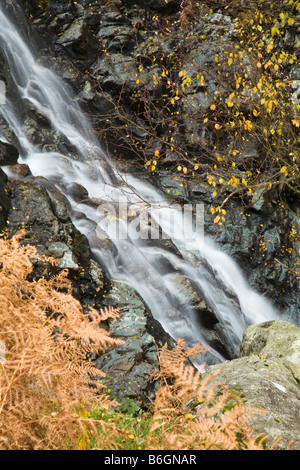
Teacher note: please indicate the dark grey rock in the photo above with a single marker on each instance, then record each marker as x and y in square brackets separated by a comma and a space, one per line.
[128, 367]
[4, 200]
[8, 154]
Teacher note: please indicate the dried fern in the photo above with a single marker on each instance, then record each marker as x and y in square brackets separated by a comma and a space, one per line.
[191, 414]
[46, 376]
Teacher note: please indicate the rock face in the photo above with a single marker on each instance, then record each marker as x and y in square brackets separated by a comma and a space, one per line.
[274, 340]
[4, 200]
[128, 367]
[267, 376]
[8, 154]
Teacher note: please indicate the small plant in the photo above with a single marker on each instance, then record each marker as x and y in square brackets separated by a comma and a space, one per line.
[129, 407]
[193, 413]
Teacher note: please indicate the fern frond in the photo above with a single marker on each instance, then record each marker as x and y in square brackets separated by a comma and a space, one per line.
[192, 413]
[46, 380]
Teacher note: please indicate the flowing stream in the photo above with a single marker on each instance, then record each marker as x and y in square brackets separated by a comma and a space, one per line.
[172, 282]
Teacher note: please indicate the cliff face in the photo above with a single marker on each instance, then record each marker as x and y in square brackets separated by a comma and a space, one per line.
[267, 375]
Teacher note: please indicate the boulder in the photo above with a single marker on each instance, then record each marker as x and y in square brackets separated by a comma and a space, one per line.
[128, 366]
[8, 154]
[4, 200]
[267, 376]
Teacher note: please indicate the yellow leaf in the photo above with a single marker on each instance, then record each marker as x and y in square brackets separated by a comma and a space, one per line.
[229, 61]
[212, 106]
[214, 194]
[269, 106]
[156, 153]
[179, 168]
[216, 219]
[283, 169]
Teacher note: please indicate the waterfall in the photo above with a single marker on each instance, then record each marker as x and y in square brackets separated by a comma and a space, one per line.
[159, 274]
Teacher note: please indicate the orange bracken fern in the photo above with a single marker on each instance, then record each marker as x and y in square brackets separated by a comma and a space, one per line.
[192, 414]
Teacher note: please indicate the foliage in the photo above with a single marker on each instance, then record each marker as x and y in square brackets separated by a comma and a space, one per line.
[45, 380]
[192, 414]
[51, 396]
[200, 123]
[135, 427]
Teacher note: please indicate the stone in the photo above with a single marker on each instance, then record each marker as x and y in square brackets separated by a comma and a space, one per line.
[62, 252]
[267, 377]
[274, 340]
[4, 200]
[33, 210]
[78, 192]
[9, 154]
[128, 366]
[20, 170]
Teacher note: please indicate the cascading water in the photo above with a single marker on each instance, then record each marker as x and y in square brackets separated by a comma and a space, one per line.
[157, 273]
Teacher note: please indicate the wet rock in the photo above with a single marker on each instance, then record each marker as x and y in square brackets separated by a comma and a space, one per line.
[4, 200]
[34, 211]
[274, 340]
[78, 192]
[8, 154]
[19, 171]
[75, 33]
[128, 366]
[158, 4]
[115, 70]
[63, 253]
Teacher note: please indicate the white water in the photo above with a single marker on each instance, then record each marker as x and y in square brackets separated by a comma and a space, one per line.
[134, 261]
